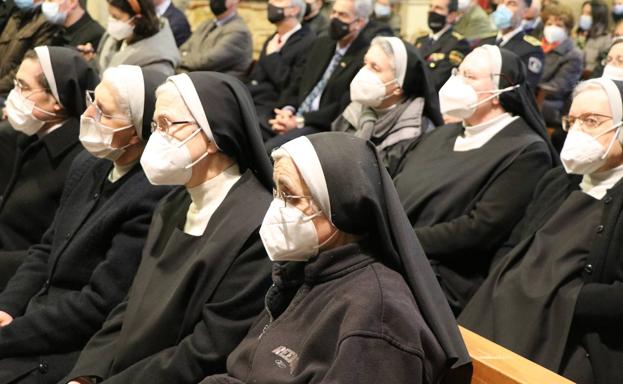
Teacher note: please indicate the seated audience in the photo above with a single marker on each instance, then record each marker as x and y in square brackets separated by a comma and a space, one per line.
[466, 184]
[532, 22]
[473, 23]
[204, 271]
[135, 36]
[617, 11]
[613, 68]
[45, 108]
[76, 27]
[26, 29]
[314, 18]
[592, 35]
[443, 48]
[393, 98]
[316, 97]
[385, 11]
[84, 264]
[559, 275]
[223, 44]
[283, 55]
[353, 298]
[177, 20]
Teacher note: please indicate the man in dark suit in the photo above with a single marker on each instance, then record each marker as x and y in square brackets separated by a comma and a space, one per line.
[177, 20]
[532, 23]
[444, 48]
[283, 53]
[320, 92]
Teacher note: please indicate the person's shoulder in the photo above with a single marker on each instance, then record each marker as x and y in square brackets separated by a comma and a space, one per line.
[532, 41]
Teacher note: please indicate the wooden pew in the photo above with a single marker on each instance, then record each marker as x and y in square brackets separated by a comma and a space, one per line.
[494, 364]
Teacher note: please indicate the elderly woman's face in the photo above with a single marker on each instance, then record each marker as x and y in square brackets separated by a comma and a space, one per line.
[381, 65]
[557, 21]
[476, 71]
[110, 113]
[615, 56]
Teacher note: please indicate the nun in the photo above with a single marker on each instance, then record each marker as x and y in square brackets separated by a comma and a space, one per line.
[466, 184]
[43, 112]
[351, 285]
[204, 271]
[85, 262]
[394, 101]
[562, 280]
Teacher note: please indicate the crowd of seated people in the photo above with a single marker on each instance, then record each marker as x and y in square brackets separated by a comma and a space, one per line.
[174, 210]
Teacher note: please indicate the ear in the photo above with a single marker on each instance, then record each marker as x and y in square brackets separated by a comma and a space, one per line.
[398, 91]
[73, 4]
[134, 139]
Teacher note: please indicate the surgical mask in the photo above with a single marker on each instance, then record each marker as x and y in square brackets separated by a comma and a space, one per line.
[119, 30]
[613, 72]
[382, 10]
[368, 89]
[502, 18]
[52, 13]
[464, 4]
[586, 22]
[554, 34]
[218, 7]
[460, 100]
[583, 154]
[436, 22]
[25, 5]
[617, 9]
[275, 14]
[19, 113]
[338, 29]
[97, 138]
[167, 161]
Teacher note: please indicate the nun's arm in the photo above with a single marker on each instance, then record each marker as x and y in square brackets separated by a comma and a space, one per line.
[600, 305]
[488, 224]
[231, 48]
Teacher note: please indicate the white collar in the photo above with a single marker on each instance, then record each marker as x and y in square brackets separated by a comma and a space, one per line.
[118, 172]
[342, 51]
[436, 36]
[509, 35]
[207, 197]
[597, 184]
[287, 35]
[162, 8]
[476, 136]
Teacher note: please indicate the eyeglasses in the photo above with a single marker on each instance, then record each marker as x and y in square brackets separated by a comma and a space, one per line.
[164, 125]
[90, 100]
[292, 199]
[587, 122]
[21, 88]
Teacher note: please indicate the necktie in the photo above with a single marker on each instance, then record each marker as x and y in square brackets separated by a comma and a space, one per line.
[307, 103]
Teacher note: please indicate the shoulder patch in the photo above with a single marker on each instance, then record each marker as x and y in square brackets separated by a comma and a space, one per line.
[456, 57]
[532, 40]
[457, 36]
[535, 65]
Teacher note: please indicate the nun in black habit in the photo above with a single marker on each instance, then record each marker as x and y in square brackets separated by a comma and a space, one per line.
[394, 101]
[204, 270]
[354, 299]
[85, 262]
[466, 184]
[45, 142]
[562, 281]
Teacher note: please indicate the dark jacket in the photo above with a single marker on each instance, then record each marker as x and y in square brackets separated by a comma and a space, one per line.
[24, 31]
[193, 298]
[179, 24]
[81, 269]
[318, 24]
[6, 10]
[85, 30]
[443, 54]
[341, 318]
[29, 201]
[529, 50]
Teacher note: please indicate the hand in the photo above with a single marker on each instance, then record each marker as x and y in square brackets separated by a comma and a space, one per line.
[5, 319]
[87, 50]
[4, 114]
[283, 122]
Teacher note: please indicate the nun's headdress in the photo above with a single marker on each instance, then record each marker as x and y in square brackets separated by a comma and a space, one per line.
[137, 87]
[223, 108]
[69, 77]
[614, 90]
[348, 180]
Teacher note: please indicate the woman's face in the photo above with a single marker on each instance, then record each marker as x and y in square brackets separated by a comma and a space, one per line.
[110, 113]
[586, 9]
[557, 21]
[615, 56]
[118, 14]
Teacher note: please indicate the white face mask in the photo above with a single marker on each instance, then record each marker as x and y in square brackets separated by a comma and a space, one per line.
[464, 4]
[167, 161]
[459, 99]
[583, 154]
[382, 10]
[367, 89]
[97, 138]
[19, 113]
[613, 72]
[52, 13]
[119, 30]
[585, 22]
[554, 34]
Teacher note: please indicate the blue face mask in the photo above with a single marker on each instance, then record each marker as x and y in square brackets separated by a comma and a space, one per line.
[25, 5]
[502, 18]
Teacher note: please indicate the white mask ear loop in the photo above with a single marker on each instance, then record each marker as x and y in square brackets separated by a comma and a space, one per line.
[495, 94]
[616, 135]
[186, 140]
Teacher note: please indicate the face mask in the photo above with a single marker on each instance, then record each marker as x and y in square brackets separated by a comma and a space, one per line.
[52, 13]
[97, 139]
[167, 161]
[554, 34]
[25, 5]
[436, 22]
[19, 113]
[460, 100]
[613, 72]
[338, 29]
[502, 18]
[617, 9]
[275, 14]
[367, 89]
[119, 30]
[464, 4]
[583, 154]
[382, 10]
[218, 7]
[586, 22]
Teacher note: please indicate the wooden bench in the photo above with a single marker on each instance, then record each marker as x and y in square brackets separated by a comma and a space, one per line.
[494, 364]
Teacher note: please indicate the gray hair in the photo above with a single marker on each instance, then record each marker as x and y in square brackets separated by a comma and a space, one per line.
[363, 8]
[382, 43]
[301, 6]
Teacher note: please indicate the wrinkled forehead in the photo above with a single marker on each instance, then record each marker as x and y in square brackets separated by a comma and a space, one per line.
[593, 99]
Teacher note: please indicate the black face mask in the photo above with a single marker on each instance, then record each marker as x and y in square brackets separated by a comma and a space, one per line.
[308, 10]
[338, 29]
[436, 22]
[617, 17]
[218, 7]
[275, 14]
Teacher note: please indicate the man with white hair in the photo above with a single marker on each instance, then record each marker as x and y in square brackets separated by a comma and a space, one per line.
[532, 23]
[321, 91]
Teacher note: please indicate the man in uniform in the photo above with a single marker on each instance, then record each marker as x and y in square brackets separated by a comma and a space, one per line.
[444, 48]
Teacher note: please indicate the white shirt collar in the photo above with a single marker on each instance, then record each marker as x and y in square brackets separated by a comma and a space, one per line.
[509, 35]
[286, 36]
[118, 172]
[436, 36]
[162, 8]
[598, 183]
[477, 136]
[206, 198]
